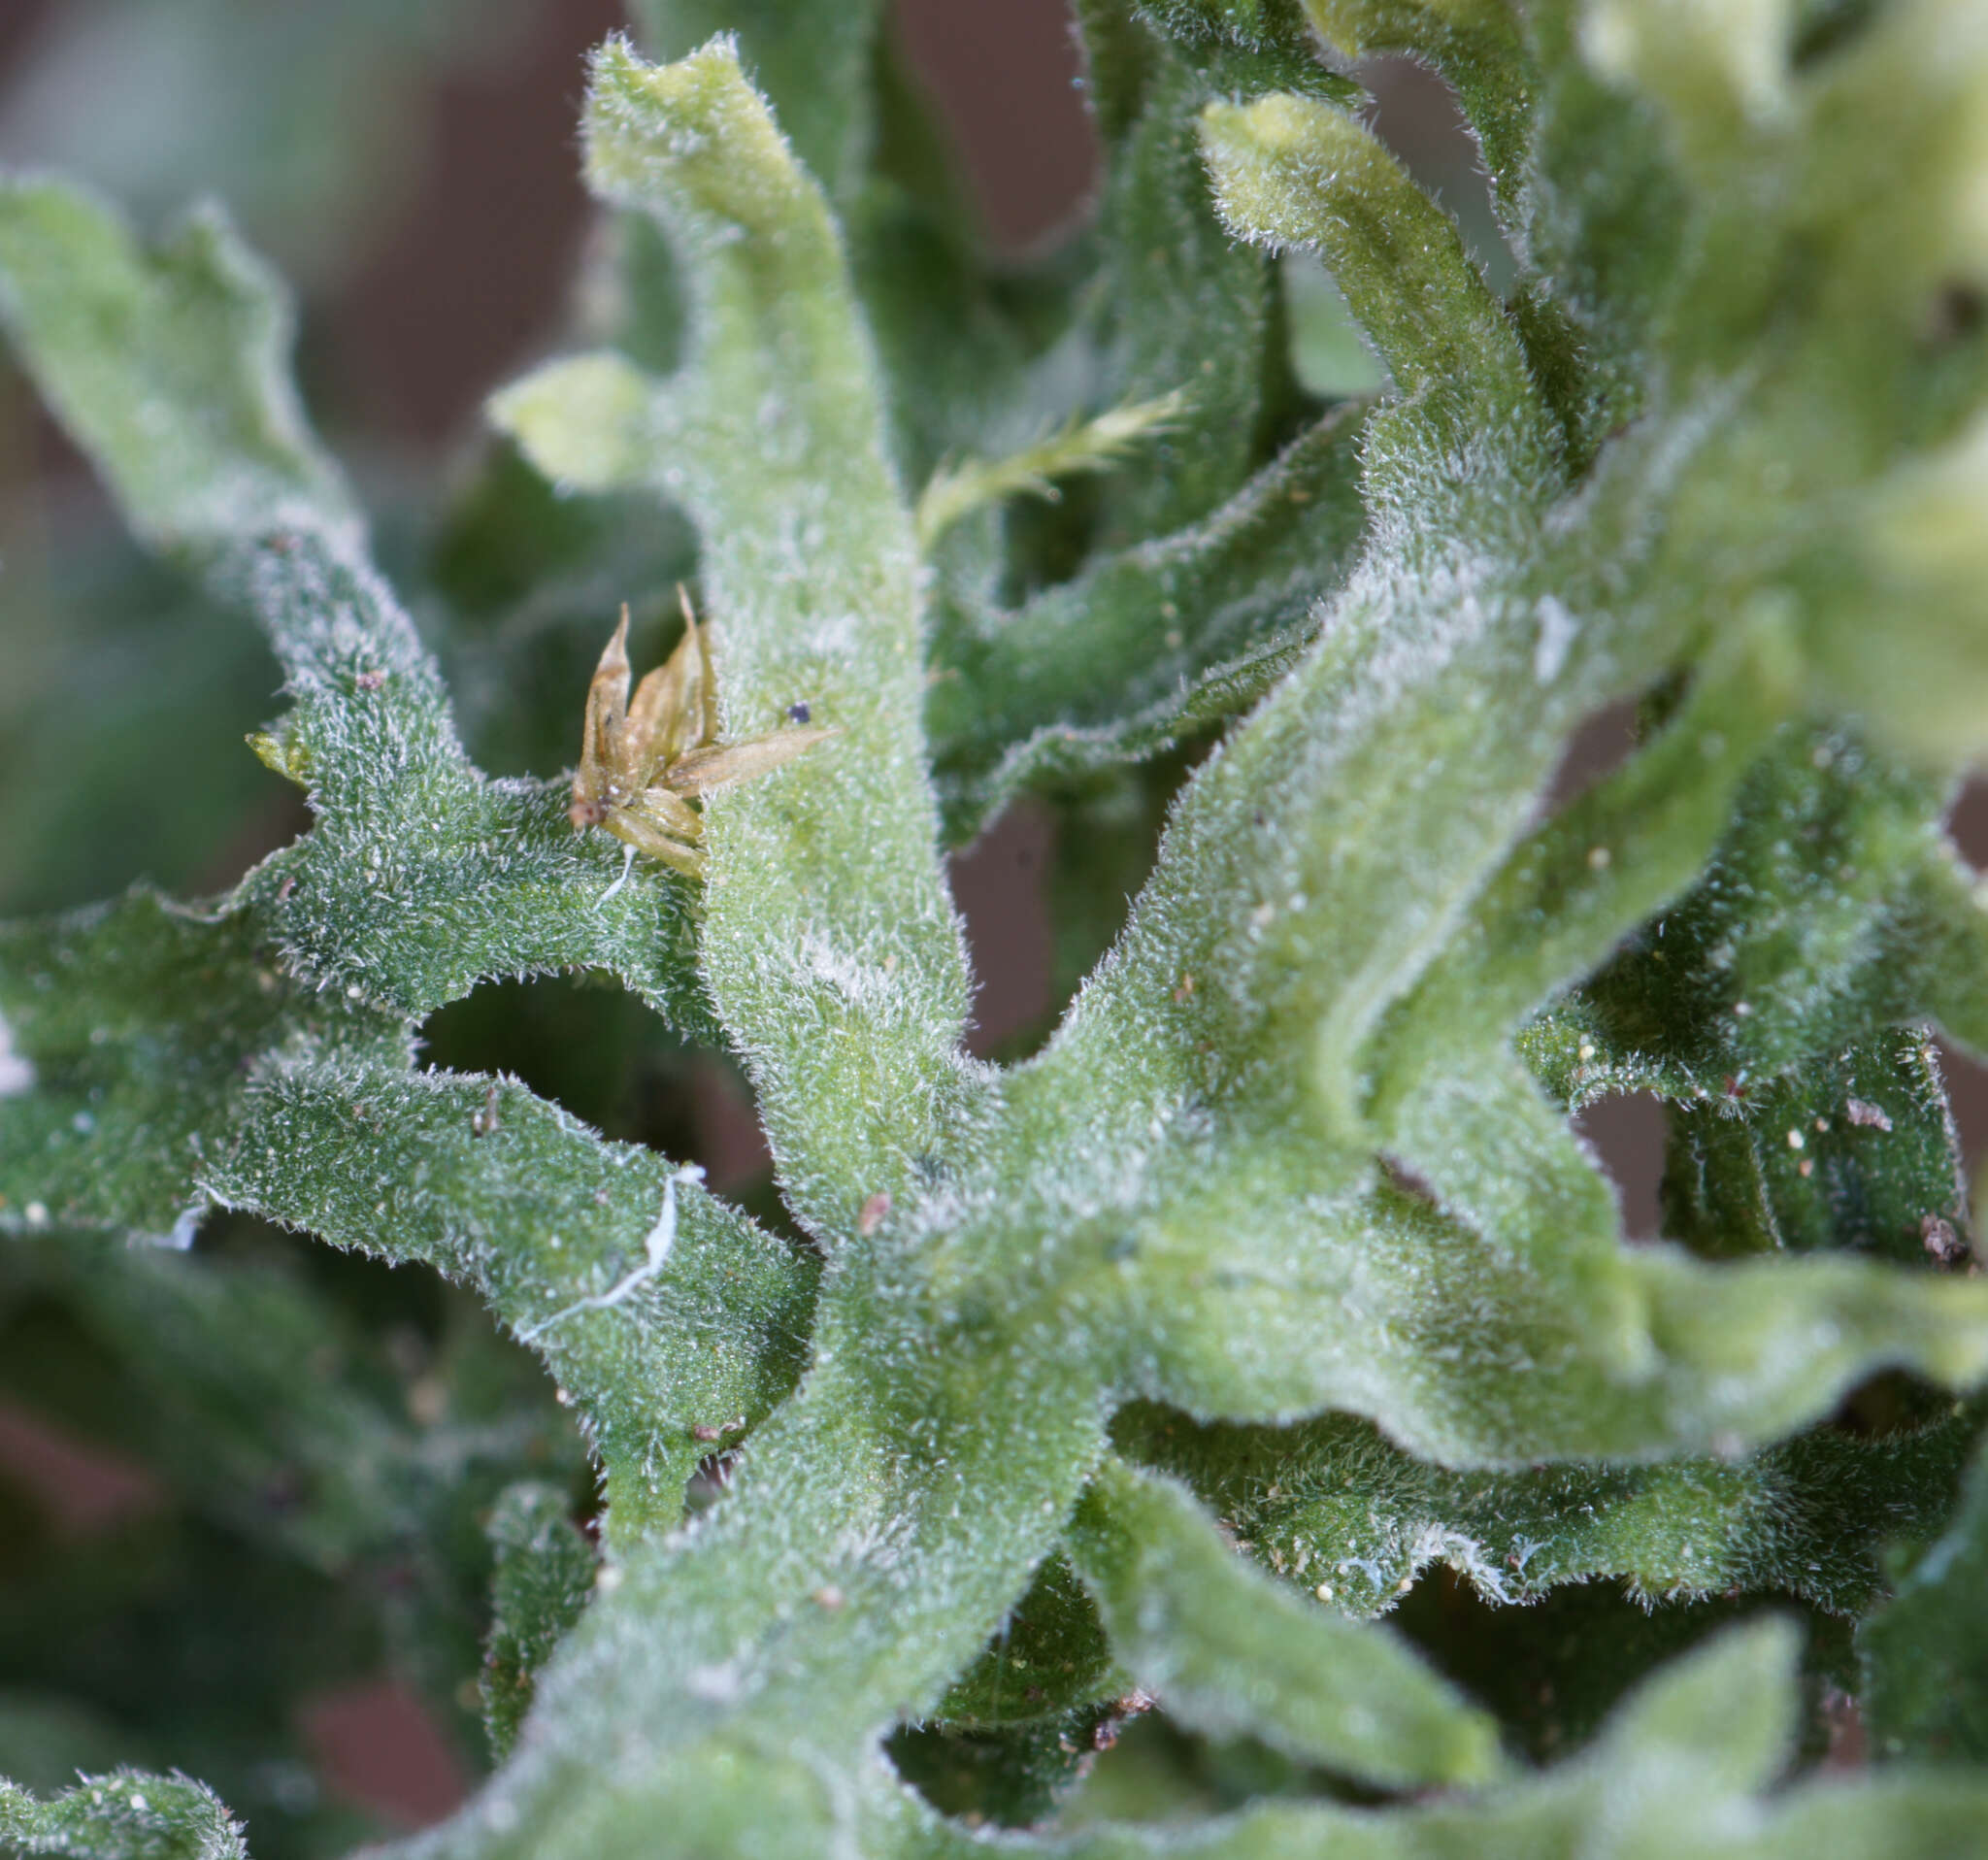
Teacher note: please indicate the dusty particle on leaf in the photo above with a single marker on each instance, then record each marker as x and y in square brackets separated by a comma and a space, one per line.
[483, 1123]
[873, 1212]
[1862, 1113]
[1939, 1238]
[370, 681]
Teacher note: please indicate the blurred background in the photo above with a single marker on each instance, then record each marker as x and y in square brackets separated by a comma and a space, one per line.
[411, 166]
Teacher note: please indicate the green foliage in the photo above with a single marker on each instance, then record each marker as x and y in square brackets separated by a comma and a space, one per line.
[124, 1815]
[1923, 1651]
[1154, 1367]
[1231, 1654]
[544, 1571]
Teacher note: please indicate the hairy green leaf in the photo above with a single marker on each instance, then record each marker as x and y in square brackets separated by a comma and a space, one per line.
[773, 439]
[1923, 1654]
[423, 878]
[1684, 1765]
[129, 1101]
[545, 1570]
[1478, 44]
[661, 1311]
[1149, 644]
[123, 1816]
[1226, 1651]
[1333, 1507]
[170, 366]
[1296, 1180]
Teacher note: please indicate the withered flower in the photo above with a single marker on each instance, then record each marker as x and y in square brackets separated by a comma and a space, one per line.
[642, 764]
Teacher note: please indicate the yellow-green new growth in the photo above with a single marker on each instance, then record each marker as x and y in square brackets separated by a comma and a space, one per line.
[954, 490]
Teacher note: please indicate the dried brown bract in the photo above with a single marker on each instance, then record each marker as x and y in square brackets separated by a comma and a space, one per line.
[641, 763]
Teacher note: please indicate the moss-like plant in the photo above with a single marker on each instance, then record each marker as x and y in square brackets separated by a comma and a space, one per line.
[1149, 1368]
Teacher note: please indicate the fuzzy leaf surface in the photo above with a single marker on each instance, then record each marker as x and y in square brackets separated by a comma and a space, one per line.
[1230, 1653]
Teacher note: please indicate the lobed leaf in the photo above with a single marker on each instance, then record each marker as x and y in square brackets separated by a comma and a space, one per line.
[811, 63]
[169, 367]
[1308, 1297]
[773, 439]
[1292, 171]
[1150, 643]
[1334, 1509]
[123, 1816]
[1479, 46]
[503, 1191]
[1713, 431]
[1227, 1653]
[423, 878]
[544, 1571]
[1922, 1653]
[128, 1098]
[1685, 1764]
